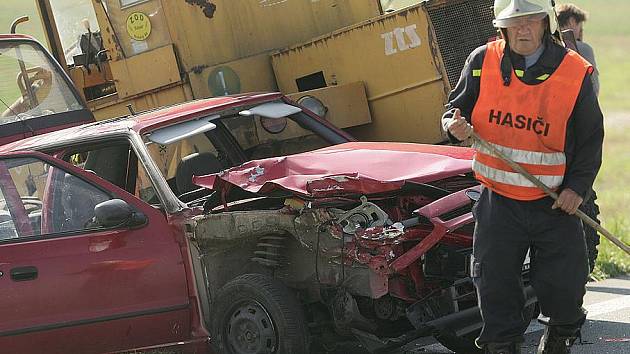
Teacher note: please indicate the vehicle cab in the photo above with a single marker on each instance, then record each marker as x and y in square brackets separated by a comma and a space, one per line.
[36, 95]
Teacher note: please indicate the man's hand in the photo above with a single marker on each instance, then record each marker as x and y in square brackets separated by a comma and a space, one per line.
[459, 127]
[568, 201]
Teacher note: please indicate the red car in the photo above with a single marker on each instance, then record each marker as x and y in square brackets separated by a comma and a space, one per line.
[246, 224]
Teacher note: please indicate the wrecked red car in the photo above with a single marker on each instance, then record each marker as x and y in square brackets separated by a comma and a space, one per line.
[246, 215]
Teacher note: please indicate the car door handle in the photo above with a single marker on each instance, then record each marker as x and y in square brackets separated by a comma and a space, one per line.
[24, 273]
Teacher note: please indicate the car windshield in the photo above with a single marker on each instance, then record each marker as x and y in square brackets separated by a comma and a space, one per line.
[227, 140]
[31, 86]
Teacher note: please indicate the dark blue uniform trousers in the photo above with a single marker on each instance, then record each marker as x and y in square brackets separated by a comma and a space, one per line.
[505, 229]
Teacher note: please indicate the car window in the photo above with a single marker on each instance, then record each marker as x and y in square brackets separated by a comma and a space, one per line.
[167, 157]
[43, 199]
[7, 226]
[179, 161]
[235, 138]
[38, 88]
[118, 164]
[261, 137]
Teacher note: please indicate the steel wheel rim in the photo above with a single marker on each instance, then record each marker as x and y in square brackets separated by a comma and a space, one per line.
[250, 329]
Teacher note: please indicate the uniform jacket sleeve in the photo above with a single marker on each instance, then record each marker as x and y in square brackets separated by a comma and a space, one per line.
[465, 94]
[585, 136]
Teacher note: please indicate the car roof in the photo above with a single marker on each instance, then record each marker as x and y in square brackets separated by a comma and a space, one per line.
[15, 36]
[140, 122]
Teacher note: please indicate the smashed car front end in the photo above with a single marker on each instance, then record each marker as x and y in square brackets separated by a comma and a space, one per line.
[384, 250]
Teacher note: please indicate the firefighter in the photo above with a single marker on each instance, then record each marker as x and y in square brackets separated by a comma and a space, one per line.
[534, 101]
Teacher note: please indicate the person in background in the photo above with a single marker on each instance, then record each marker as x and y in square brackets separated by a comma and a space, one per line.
[573, 18]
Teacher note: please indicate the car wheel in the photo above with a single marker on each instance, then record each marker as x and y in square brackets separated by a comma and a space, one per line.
[590, 208]
[255, 313]
[466, 343]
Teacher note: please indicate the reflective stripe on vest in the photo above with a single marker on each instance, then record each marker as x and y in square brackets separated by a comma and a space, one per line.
[524, 156]
[527, 123]
[513, 178]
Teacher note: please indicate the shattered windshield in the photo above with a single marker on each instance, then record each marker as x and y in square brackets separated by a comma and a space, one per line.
[31, 86]
[231, 140]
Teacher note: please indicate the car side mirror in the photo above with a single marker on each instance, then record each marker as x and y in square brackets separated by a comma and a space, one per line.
[116, 212]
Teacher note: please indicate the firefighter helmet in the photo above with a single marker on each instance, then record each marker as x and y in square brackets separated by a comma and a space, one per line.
[507, 11]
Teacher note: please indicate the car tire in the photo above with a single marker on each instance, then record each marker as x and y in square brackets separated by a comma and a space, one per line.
[255, 313]
[590, 208]
[466, 343]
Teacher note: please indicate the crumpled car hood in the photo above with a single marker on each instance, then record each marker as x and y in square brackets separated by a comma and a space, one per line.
[349, 168]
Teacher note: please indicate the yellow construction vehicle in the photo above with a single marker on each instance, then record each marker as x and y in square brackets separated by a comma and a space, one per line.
[381, 69]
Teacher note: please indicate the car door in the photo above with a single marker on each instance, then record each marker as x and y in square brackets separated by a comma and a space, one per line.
[69, 284]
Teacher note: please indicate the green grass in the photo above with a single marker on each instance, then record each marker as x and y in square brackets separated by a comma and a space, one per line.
[612, 261]
[608, 31]
[614, 196]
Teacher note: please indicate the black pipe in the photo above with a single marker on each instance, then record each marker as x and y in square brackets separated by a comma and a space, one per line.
[18, 53]
[473, 313]
[17, 21]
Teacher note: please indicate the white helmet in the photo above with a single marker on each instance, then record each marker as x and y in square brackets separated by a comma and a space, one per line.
[505, 10]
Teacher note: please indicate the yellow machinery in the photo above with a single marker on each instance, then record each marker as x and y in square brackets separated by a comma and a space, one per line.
[382, 69]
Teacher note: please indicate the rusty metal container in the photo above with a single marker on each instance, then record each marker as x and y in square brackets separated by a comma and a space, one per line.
[408, 61]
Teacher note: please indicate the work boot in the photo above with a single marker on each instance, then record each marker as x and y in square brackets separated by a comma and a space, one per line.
[502, 348]
[557, 340]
